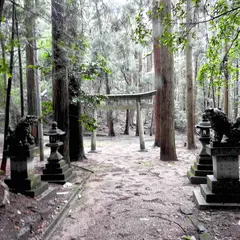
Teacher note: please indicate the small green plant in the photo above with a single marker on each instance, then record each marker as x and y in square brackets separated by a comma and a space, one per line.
[187, 237]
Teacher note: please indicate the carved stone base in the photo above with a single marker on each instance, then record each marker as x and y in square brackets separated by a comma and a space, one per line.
[200, 169]
[28, 187]
[57, 172]
[223, 187]
[202, 204]
[23, 178]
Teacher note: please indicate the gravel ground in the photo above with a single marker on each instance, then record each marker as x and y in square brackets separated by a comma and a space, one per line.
[133, 195]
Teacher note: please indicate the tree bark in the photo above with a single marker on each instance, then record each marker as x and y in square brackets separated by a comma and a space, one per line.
[59, 76]
[190, 103]
[111, 131]
[1, 7]
[236, 83]
[157, 73]
[76, 147]
[126, 131]
[20, 69]
[8, 95]
[76, 144]
[226, 87]
[167, 129]
[30, 58]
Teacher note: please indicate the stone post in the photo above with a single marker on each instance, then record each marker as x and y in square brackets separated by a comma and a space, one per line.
[140, 127]
[223, 187]
[94, 134]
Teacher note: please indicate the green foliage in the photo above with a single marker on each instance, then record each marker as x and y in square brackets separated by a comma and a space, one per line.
[44, 70]
[223, 46]
[187, 237]
[90, 70]
[142, 34]
[47, 108]
[88, 122]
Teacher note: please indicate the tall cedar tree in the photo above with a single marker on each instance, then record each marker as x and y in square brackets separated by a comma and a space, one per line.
[167, 128]
[30, 58]
[157, 71]
[76, 145]
[59, 75]
[189, 75]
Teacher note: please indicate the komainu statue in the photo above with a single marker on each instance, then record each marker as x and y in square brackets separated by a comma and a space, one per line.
[22, 136]
[222, 126]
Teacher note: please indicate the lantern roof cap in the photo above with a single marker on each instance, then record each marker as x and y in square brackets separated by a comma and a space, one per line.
[54, 130]
[204, 123]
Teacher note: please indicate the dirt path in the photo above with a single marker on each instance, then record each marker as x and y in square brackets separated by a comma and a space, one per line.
[133, 195]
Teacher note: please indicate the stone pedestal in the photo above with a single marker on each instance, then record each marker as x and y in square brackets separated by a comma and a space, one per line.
[56, 170]
[202, 166]
[23, 178]
[223, 187]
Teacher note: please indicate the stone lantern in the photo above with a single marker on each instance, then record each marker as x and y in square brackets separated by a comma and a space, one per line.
[56, 170]
[204, 131]
[203, 164]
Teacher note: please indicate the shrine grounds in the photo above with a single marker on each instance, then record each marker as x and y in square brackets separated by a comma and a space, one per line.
[120, 193]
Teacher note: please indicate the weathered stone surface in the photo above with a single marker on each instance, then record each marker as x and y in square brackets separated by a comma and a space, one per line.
[226, 167]
[223, 151]
[23, 178]
[223, 185]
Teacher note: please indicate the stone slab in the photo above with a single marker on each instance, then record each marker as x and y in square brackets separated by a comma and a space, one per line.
[22, 168]
[57, 178]
[36, 192]
[59, 170]
[208, 167]
[67, 179]
[197, 172]
[204, 160]
[223, 150]
[225, 185]
[55, 164]
[202, 204]
[196, 179]
[226, 167]
[24, 184]
[33, 192]
[218, 197]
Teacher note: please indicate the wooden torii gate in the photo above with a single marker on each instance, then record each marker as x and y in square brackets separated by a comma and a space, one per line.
[117, 97]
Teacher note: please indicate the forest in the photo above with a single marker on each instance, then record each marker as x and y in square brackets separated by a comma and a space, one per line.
[59, 60]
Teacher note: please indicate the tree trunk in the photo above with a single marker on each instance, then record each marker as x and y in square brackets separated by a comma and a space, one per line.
[157, 74]
[4, 61]
[8, 95]
[126, 131]
[236, 83]
[76, 148]
[30, 58]
[226, 87]
[151, 125]
[137, 126]
[59, 76]
[190, 102]
[195, 89]
[110, 112]
[167, 130]
[20, 69]
[1, 7]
